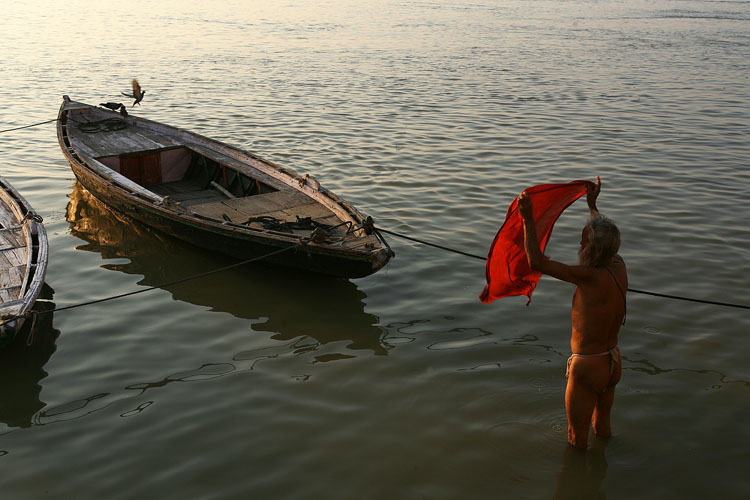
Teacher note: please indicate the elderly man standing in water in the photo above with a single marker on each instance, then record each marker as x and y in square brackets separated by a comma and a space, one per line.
[594, 368]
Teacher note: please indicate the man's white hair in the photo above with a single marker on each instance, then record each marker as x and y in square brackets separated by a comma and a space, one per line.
[602, 242]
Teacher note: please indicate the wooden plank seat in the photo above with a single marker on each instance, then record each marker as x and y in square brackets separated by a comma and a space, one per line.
[12, 237]
[285, 206]
[9, 294]
[12, 269]
[116, 142]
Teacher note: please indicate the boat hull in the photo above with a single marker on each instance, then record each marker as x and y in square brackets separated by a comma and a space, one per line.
[228, 242]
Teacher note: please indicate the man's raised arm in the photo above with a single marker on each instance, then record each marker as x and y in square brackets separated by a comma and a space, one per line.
[530, 241]
[537, 261]
[591, 195]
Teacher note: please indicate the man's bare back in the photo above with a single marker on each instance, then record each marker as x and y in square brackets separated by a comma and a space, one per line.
[599, 308]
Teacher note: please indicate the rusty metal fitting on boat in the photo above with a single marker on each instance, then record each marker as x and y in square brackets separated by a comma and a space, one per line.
[318, 235]
[33, 217]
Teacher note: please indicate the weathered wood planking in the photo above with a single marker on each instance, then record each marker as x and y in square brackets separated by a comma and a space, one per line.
[12, 238]
[314, 211]
[11, 277]
[8, 219]
[265, 204]
[4, 262]
[285, 206]
[7, 296]
[198, 197]
[188, 193]
[218, 210]
[116, 142]
[176, 188]
[23, 241]
[16, 256]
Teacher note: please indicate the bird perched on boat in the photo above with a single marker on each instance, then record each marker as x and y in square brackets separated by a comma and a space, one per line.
[137, 93]
[114, 106]
[306, 179]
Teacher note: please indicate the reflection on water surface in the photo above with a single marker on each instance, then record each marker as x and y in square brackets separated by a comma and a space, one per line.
[291, 303]
[22, 365]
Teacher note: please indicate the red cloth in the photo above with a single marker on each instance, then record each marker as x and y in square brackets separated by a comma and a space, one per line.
[508, 271]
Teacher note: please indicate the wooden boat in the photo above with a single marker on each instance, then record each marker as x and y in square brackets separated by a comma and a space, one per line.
[23, 260]
[215, 196]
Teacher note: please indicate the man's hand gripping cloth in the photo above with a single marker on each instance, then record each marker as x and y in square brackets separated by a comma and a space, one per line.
[508, 271]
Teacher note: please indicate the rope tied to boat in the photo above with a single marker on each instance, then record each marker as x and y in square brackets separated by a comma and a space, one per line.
[106, 125]
[28, 126]
[8, 334]
[30, 215]
[274, 224]
[370, 225]
[32, 329]
[9, 317]
[319, 231]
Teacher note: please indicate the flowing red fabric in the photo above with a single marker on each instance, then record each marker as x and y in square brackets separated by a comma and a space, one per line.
[508, 271]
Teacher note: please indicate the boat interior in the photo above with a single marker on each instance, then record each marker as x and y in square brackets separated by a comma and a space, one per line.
[204, 180]
[214, 189]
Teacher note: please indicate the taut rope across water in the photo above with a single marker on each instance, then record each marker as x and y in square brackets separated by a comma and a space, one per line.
[163, 285]
[633, 290]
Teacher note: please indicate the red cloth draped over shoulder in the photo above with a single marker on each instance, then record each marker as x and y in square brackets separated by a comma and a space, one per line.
[508, 271]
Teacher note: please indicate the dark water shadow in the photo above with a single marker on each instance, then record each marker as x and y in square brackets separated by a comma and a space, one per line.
[22, 365]
[582, 473]
[287, 302]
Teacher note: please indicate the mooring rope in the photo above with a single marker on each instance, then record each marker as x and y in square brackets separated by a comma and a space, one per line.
[429, 244]
[633, 290]
[163, 285]
[28, 126]
[702, 301]
[106, 125]
[189, 278]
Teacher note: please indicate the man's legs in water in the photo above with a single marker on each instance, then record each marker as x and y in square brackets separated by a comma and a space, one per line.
[588, 381]
[580, 401]
[602, 413]
[603, 409]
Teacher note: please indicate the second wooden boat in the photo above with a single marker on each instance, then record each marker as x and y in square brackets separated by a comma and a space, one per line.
[23, 260]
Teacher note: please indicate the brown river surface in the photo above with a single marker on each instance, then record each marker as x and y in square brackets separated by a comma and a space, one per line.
[430, 116]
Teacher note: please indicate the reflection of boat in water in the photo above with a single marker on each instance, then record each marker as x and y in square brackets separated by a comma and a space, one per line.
[22, 365]
[295, 304]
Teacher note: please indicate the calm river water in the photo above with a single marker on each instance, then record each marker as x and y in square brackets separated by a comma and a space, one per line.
[430, 116]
